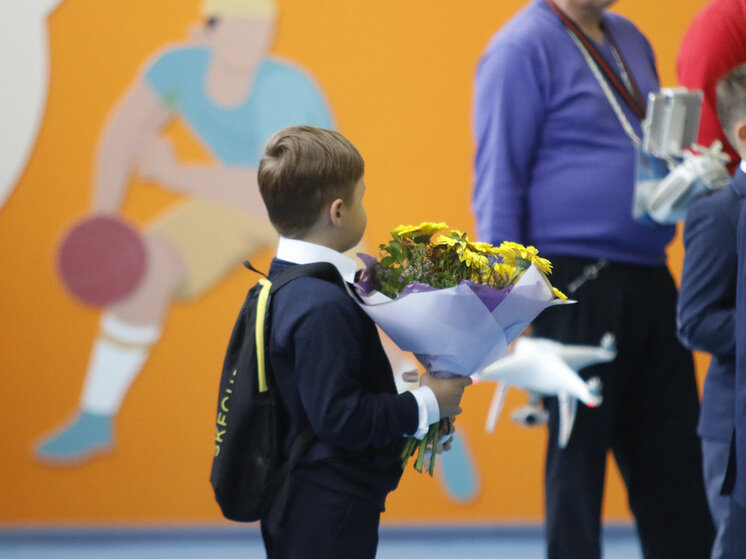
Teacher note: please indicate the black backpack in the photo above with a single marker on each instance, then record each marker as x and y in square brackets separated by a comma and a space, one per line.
[249, 472]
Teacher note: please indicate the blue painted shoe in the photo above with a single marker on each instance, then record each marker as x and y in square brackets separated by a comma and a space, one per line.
[87, 435]
[458, 473]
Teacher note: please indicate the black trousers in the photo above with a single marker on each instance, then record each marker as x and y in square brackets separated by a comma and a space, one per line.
[647, 419]
[319, 523]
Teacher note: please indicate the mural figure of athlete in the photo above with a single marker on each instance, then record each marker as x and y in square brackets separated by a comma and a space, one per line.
[232, 96]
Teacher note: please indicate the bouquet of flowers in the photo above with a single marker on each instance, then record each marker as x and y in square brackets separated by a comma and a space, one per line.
[454, 303]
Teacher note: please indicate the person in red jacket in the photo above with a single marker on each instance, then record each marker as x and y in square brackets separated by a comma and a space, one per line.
[714, 44]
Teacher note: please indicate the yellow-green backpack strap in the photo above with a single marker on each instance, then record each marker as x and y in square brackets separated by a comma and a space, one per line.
[261, 314]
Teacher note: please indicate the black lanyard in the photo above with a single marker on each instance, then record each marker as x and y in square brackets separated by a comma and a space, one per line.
[630, 94]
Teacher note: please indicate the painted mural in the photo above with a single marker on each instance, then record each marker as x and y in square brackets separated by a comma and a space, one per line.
[232, 96]
[130, 136]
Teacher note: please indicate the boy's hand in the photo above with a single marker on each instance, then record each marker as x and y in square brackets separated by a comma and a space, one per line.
[448, 392]
[446, 434]
[445, 437]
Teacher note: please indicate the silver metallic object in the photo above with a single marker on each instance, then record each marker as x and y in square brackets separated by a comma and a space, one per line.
[672, 122]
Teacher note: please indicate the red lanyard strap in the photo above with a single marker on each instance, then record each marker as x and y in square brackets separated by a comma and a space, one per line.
[631, 96]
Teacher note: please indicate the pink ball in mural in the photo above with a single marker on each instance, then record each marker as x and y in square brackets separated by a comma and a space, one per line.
[102, 260]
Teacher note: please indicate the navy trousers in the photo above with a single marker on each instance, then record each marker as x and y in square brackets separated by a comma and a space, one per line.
[319, 523]
[647, 419]
[736, 545]
[715, 455]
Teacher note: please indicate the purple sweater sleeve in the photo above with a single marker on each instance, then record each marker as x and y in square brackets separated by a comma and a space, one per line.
[508, 116]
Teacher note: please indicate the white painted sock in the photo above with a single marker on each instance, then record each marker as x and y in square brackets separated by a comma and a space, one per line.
[117, 357]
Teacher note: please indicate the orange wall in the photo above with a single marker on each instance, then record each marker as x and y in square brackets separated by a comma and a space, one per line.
[398, 76]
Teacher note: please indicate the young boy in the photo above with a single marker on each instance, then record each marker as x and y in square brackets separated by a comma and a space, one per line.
[707, 305]
[326, 355]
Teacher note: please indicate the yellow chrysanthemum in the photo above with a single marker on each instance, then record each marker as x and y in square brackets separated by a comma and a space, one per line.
[559, 294]
[426, 228]
[511, 251]
[504, 271]
[403, 230]
[543, 264]
[430, 228]
[473, 259]
[494, 275]
[483, 248]
[522, 257]
[444, 240]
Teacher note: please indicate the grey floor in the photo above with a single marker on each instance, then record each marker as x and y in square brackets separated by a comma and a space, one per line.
[396, 542]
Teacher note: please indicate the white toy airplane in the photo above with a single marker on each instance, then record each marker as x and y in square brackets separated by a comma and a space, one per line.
[546, 367]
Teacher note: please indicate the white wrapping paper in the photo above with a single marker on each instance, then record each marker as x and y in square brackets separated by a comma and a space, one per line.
[452, 330]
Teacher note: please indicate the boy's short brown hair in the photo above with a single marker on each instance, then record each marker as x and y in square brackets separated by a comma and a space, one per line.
[731, 100]
[302, 171]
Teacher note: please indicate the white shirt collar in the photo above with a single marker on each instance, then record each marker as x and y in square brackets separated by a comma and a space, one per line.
[743, 165]
[303, 252]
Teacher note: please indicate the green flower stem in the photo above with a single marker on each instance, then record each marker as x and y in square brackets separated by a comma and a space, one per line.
[414, 446]
[410, 444]
[433, 435]
[421, 454]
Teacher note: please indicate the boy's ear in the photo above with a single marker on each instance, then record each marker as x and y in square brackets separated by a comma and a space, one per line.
[741, 131]
[335, 212]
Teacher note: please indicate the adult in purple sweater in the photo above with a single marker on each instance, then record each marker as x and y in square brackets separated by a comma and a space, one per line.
[554, 168]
